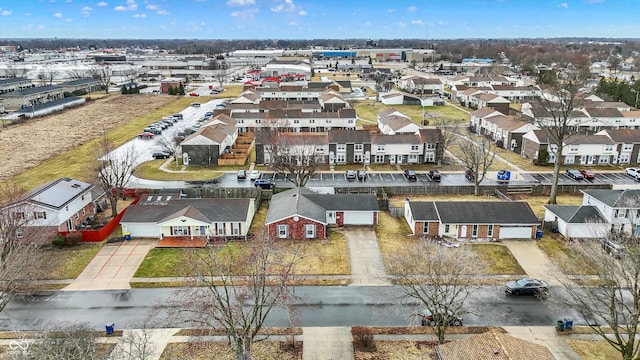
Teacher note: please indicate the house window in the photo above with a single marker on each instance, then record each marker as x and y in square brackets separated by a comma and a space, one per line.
[235, 228]
[412, 158]
[66, 208]
[624, 158]
[474, 231]
[627, 147]
[569, 159]
[310, 231]
[20, 233]
[490, 230]
[342, 147]
[82, 197]
[430, 146]
[180, 230]
[77, 216]
[84, 212]
[446, 229]
[379, 159]
[573, 148]
[296, 121]
[341, 158]
[358, 147]
[39, 215]
[319, 149]
[414, 147]
[219, 228]
[425, 227]
[608, 148]
[621, 213]
[357, 158]
[283, 231]
[603, 160]
[328, 121]
[312, 121]
[380, 147]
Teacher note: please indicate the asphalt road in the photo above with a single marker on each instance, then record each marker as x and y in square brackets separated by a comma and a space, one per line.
[317, 306]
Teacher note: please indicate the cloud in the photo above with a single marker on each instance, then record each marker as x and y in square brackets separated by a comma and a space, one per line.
[68, 19]
[293, 23]
[442, 22]
[25, 14]
[152, 7]
[139, 16]
[240, 2]
[367, 23]
[391, 10]
[564, 5]
[131, 6]
[162, 12]
[302, 13]
[402, 24]
[86, 11]
[594, 1]
[417, 22]
[6, 12]
[103, 3]
[58, 15]
[412, 8]
[288, 6]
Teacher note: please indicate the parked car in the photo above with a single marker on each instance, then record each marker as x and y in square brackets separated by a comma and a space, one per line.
[208, 114]
[574, 174]
[146, 135]
[526, 286]
[439, 317]
[588, 174]
[193, 94]
[242, 174]
[265, 184]
[434, 175]
[350, 175]
[411, 175]
[254, 175]
[161, 155]
[469, 175]
[633, 172]
[154, 130]
[178, 116]
[613, 248]
[195, 104]
[361, 175]
[220, 106]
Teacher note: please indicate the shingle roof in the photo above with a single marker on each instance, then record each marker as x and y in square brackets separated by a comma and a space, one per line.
[492, 346]
[430, 135]
[616, 198]
[33, 90]
[603, 112]
[627, 136]
[337, 136]
[423, 210]
[577, 214]
[384, 139]
[306, 203]
[589, 139]
[215, 210]
[486, 212]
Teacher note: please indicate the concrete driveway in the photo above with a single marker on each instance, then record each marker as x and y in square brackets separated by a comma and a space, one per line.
[533, 260]
[367, 267]
[113, 267]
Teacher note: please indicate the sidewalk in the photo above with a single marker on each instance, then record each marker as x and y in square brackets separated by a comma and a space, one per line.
[327, 343]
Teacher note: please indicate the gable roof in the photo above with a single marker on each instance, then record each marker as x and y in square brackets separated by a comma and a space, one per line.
[494, 346]
[627, 136]
[577, 214]
[486, 212]
[423, 210]
[484, 111]
[314, 206]
[603, 112]
[208, 209]
[616, 198]
[56, 194]
[340, 136]
[430, 135]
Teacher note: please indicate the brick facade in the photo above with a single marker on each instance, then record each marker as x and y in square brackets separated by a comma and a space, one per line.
[296, 229]
[78, 218]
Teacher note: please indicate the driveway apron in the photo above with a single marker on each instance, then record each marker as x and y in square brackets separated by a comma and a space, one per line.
[327, 343]
[113, 267]
[367, 267]
[533, 260]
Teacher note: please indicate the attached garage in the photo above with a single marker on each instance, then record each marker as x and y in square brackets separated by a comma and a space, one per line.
[141, 229]
[358, 218]
[515, 232]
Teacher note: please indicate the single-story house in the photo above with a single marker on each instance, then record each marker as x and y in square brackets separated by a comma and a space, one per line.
[581, 222]
[474, 220]
[300, 213]
[192, 221]
[494, 346]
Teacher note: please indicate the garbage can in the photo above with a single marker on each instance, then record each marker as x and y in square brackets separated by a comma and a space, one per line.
[110, 328]
[538, 234]
[568, 324]
[560, 325]
[127, 236]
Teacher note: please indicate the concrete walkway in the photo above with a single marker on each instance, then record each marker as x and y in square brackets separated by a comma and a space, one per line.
[145, 344]
[113, 267]
[367, 267]
[327, 343]
[546, 336]
[533, 260]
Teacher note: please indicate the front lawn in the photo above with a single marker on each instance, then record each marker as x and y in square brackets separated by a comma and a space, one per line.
[498, 260]
[56, 263]
[561, 253]
[151, 170]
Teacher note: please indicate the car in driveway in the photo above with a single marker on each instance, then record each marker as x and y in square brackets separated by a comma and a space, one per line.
[350, 175]
[526, 286]
[588, 174]
[434, 175]
[574, 174]
[254, 175]
[633, 172]
[439, 317]
[613, 248]
[161, 155]
[411, 175]
[242, 174]
[265, 184]
[146, 135]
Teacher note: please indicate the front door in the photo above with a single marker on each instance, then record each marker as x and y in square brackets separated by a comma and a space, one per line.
[590, 160]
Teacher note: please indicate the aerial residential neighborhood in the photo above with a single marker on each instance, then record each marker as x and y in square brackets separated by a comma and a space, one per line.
[263, 185]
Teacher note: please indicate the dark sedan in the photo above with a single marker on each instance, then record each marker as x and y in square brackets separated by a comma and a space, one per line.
[526, 287]
[439, 318]
[575, 174]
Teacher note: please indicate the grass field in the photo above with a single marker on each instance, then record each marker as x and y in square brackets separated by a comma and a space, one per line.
[369, 109]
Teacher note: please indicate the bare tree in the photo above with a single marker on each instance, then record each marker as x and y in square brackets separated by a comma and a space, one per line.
[558, 118]
[237, 290]
[72, 341]
[78, 74]
[296, 154]
[437, 277]
[47, 74]
[609, 300]
[614, 63]
[170, 146]
[19, 243]
[131, 74]
[221, 75]
[102, 73]
[113, 170]
[477, 157]
[13, 71]
[448, 135]
[135, 344]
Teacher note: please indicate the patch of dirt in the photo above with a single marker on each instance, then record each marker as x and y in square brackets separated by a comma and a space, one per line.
[398, 350]
[26, 145]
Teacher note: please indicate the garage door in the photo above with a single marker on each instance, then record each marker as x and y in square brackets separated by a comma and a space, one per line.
[143, 230]
[512, 232]
[358, 218]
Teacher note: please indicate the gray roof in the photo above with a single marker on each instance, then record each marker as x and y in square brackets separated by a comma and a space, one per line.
[616, 198]
[16, 80]
[339, 136]
[475, 212]
[423, 210]
[56, 194]
[577, 214]
[33, 90]
[314, 206]
[209, 210]
[80, 82]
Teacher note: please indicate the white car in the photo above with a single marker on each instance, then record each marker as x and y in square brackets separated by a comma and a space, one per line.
[633, 172]
[254, 175]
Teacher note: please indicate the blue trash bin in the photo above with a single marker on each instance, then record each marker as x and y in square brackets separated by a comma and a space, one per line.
[538, 234]
[127, 236]
[568, 324]
[110, 328]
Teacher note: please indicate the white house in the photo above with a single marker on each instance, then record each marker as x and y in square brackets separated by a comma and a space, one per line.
[391, 121]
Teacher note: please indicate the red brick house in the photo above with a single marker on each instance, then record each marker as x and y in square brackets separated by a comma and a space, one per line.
[171, 82]
[300, 213]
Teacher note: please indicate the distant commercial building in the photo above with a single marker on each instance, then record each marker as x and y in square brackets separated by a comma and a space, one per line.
[171, 82]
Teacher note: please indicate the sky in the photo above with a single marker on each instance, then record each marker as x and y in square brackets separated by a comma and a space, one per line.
[318, 19]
